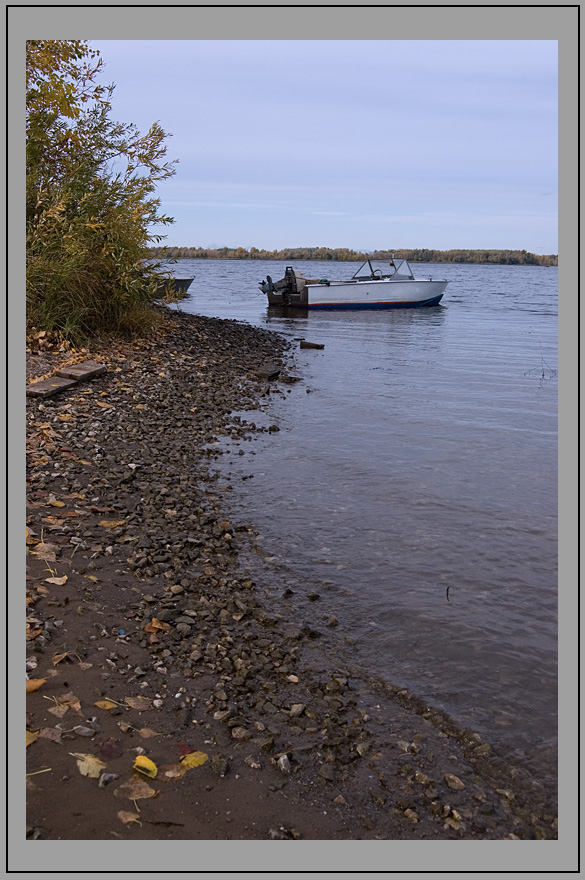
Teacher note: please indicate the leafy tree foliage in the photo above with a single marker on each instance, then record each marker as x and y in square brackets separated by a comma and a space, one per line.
[90, 202]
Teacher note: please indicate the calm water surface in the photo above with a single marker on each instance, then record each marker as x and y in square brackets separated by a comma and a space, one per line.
[416, 485]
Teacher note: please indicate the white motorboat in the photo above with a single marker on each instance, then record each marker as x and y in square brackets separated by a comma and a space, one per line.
[373, 286]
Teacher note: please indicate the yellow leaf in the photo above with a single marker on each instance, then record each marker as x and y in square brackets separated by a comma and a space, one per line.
[104, 405]
[56, 503]
[146, 766]
[31, 737]
[106, 704]
[140, 406]
[194, 759]
[127, 818]
[59, 581]
[112, 523]
[33, 684]
[89, 765]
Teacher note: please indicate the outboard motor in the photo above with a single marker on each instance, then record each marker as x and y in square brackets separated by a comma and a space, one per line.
[291, 285]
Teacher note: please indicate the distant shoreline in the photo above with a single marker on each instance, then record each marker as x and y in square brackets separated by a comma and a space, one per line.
[415, 255]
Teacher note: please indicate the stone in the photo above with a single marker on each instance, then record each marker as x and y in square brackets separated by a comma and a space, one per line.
[453, 782]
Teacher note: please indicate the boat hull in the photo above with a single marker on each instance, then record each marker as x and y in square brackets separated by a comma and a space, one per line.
[390, 304]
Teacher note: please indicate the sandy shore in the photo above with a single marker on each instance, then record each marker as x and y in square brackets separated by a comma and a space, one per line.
[152, 640]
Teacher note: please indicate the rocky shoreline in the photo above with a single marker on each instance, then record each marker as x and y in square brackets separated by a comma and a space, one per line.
[151, 639]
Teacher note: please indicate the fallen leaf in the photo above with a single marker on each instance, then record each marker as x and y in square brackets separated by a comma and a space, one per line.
[146, 766]
[140, 703]
[58, 581]
[172, 771]
[69, 655]
[45, 551]
[146, 732]
[104, 405]
[106, 704]
[54, 520]
[59, 711]
[194, 759]
[136, 789]
[52, 733]
[110, 749]
[44, 591]
[31, 737]
[54, 502]
[69, 699]
[33, 684]
[155, 625]
[112, 523]
[127, 818]
[89, 765]
[32, 633]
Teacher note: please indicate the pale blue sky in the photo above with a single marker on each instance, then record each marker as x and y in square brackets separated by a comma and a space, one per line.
[360, 144]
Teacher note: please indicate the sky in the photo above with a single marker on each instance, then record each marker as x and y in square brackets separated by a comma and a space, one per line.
[348, 143]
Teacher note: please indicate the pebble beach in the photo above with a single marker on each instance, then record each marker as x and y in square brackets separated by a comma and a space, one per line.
[176, 692]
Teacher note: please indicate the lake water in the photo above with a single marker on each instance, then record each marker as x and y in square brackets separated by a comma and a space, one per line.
[415, 487]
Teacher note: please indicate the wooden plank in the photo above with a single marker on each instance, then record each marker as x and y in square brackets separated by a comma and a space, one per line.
[85, 370]
[48, 387]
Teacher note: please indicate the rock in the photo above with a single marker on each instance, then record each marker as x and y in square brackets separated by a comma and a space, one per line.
[453, 782]
[241, 733]
[297, 709]
[219, 765]
[326, 771]
[283, 764]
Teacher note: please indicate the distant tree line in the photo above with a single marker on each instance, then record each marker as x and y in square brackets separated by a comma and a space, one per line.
[416, 255]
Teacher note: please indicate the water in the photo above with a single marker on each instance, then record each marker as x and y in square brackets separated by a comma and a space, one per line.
[415, 487]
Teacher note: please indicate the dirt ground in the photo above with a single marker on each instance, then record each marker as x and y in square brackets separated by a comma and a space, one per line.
[176, 695]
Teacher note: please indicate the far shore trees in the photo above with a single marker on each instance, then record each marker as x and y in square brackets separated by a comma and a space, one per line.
[90, 204]
[417, 255]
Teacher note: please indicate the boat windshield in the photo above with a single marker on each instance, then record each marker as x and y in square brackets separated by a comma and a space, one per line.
[376, 269]
[373, 269]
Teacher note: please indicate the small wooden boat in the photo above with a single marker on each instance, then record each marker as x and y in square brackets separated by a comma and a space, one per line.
[371, 287]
